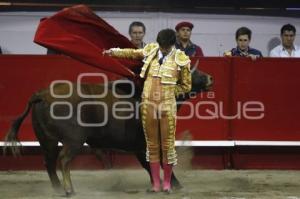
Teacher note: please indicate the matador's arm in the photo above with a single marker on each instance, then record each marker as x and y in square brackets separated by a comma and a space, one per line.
[128, 53]
[184, 84]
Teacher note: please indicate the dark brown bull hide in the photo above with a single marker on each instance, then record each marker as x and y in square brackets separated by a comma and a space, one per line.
[118, 134]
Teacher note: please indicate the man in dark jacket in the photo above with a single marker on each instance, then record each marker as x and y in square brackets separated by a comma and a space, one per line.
[184, 32]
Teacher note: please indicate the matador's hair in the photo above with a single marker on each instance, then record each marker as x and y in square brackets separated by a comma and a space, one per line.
[166, 38]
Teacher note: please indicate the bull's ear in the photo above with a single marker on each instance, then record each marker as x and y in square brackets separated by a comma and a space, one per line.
[210, 82]
[188, 67]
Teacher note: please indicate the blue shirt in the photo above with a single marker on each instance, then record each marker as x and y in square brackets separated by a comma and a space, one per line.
[240, 53]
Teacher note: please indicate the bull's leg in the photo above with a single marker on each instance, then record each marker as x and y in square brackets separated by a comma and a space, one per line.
[103, 156]
[51, 154]
[142, 159]
[51, 150]
[175, 184]
[65, 157]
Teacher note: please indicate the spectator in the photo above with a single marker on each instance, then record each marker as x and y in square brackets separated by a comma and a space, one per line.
[243, 39]
[137, 31]
[287, 48]
[184, 32]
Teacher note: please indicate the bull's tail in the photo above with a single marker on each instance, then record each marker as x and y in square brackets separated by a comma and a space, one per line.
[11, 138]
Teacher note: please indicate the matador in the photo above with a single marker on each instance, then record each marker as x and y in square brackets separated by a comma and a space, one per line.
[167, 74]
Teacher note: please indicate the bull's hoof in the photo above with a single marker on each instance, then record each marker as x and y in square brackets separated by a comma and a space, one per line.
[176, 186]
[59, 190]
[152, 190]
[70, 194]
[167, 191]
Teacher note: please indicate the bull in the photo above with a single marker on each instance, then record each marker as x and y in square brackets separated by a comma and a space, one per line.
[52, 125]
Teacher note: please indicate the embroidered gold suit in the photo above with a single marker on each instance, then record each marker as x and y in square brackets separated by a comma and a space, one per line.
[158, 108]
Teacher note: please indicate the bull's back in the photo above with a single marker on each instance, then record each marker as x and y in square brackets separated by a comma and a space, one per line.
[78, 118]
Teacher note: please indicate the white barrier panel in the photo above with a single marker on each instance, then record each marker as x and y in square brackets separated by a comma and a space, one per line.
[206, 143]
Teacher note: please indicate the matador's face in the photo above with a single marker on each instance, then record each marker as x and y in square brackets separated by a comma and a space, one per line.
[166, 50]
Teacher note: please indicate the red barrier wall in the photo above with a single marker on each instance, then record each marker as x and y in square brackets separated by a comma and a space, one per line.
[21, 76]
[273, 83]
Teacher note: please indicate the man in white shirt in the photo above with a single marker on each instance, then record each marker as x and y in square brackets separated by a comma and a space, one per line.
[287, 47]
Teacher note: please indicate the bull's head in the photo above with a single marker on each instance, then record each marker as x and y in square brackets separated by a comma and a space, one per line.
[200, 81]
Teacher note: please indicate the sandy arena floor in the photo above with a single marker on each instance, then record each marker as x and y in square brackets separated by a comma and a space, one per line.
[131, 184]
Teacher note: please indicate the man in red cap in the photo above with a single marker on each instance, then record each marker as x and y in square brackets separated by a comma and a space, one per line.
[184, 32]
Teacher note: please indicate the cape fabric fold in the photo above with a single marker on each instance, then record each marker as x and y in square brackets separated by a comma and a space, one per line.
[82, 35]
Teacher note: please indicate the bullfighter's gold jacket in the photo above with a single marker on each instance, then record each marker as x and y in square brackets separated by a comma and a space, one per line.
[174, 72]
